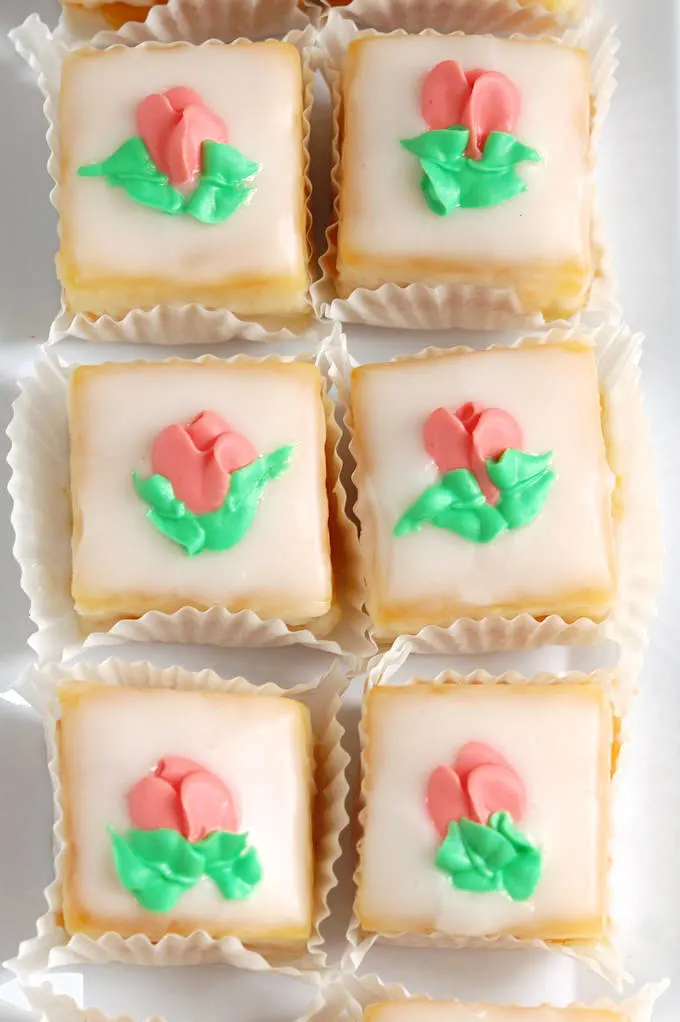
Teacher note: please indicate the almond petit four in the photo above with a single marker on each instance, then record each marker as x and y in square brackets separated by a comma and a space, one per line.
[199, 820]
[486, 810]
[199, 484]
[422, 1010]
[182, 179]
[477, 170]
[483, 486]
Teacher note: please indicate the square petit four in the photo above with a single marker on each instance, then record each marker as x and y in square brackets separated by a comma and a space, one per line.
[483, 486]
[486, 811]
[182, 178]
[422, 1010]
[186, 810]
[477, 170]
[199, 484]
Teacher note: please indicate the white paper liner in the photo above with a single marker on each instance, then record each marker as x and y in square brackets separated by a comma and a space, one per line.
[41, 518]
[347, 996]
[604, 958]
[218, 19]
[469, 306]
[500, 17]
[52, 946]
[637, 525]
[165, 324]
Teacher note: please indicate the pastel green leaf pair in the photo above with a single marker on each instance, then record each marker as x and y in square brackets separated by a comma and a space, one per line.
[456, 502]
[490, 857]
[219, 530]
[158, 866]
[221, 189]
[452, 180]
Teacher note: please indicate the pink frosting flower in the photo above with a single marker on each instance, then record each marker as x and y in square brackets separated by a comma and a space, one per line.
[482, 101]
[173, 126]
[199, 458]
[182, 795]
[467, 437]
[480, 782]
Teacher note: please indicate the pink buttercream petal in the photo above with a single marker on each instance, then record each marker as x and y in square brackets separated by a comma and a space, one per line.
[494, 432]
[156, 119]
[185, 141]
[474, 755]
[494, 789]
[445, 799]
[493, 106]
[447, 440]
[233, 451]
[207, 805]
[469, 414]
[196, 476]
[205, 429]
[445, 95]
[181, 97]
[153, 804]
[174, 769]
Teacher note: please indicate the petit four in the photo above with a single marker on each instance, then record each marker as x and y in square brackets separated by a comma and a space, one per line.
[483, 486]
[199, 484]
[477, 171]
[422, 1010]
[182, 179]
[114, 12]
[486, 810]
[199, 820]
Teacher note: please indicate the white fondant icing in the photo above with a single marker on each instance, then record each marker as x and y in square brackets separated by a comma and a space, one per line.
[284, 555]
[552, 393]
[553, 741]
[256, 90]
[254, 744]
[388, 214]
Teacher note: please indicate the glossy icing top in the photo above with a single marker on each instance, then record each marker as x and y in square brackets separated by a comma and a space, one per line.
[258, 743]
[383, 210]
[117, 413]
[552, 394]
[256, 90]
[412, 731]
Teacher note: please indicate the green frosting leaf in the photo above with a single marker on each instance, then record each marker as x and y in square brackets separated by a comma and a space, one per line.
[452, 180]
[154, 866]
[225, 165]
[457, 504]
[132, 169]
[525, 480]
[492, 857]
[463, 487]
[219, 530]
[212, 203]
[233, 866]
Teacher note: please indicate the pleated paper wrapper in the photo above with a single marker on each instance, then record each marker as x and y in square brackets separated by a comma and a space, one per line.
[468, 306]
[41, 518]
[52, 946]
[179, 22]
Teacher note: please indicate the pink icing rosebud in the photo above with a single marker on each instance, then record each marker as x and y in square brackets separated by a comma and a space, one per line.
[199, 458]
[469, 436]
[173, 126]
[482, 101]
[480, 782]
[182, 795]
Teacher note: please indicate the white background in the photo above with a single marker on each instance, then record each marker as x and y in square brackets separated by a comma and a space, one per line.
[638, 178]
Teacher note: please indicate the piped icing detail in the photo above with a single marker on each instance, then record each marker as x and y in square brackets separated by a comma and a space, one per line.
[207, 483]
[185, 827]
[487, 483]
[469, 154]
[474, 805]
[179, 162]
